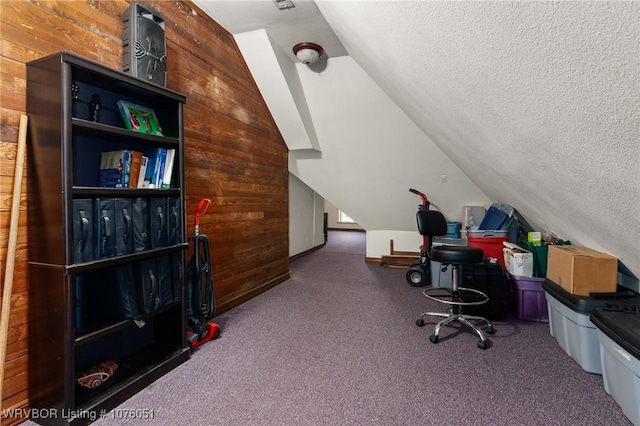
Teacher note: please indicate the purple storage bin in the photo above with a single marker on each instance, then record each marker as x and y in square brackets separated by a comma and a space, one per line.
[529, 298]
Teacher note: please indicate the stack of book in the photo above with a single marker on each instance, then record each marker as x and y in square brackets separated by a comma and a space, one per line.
[125, 168]
[119, 169]
[159, 168]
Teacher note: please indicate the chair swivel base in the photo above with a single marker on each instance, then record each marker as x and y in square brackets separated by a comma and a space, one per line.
[456, 300]
[483, 343]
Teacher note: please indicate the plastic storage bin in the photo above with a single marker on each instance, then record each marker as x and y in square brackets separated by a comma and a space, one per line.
[488, 277]
[485, 233]
[490, 242]
[453, 229]
[473, 216]
[619, 337]
[570, 325]
[530, 302]
[496, 217]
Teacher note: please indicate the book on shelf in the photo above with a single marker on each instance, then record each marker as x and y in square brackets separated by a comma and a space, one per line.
[168, 168]
[144, 161]
[163, 160]
[152, 178]
[139, 118]
[136, 162]
[116, 168]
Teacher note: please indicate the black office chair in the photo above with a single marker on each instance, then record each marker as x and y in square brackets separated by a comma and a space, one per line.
[433, 224]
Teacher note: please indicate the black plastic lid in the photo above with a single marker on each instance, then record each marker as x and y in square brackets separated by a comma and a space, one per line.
[623, 299]
[621, 327]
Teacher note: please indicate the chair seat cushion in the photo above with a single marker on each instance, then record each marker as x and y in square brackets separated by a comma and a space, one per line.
[457, 255]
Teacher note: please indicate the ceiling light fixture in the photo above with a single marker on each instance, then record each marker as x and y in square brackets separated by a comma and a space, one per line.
[308, 53]
[284, 4]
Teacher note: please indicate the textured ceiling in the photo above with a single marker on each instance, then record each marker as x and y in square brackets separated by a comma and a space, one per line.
[537, 102]
[286, 27]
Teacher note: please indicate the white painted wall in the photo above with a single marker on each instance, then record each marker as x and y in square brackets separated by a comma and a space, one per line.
[306, 217]
[277, 78]
[333, 218]
[371, 154]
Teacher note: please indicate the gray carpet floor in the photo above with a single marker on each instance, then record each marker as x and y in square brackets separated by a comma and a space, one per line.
[337, 344]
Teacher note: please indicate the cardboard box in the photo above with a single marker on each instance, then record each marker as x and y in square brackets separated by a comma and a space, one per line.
[517, 260]
[581, 270]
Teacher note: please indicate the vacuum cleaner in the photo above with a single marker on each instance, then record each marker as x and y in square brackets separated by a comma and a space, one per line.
[201, 304]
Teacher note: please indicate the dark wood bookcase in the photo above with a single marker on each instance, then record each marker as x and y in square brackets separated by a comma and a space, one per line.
[76, 317]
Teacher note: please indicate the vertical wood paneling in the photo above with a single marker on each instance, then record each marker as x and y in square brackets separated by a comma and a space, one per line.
[234, 153]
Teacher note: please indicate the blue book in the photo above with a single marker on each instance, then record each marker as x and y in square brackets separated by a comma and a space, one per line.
[163, 162]
[152, 176]
[115, 169]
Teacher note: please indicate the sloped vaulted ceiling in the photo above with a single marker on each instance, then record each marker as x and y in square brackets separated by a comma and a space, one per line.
[537, 102]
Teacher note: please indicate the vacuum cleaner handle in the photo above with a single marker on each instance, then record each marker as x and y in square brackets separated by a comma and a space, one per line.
[203, 206]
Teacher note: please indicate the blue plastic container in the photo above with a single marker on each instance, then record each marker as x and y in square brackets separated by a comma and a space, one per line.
[496, 217]
[453, 229]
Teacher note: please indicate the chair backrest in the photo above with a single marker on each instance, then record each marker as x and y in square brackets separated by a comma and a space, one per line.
[431, 223]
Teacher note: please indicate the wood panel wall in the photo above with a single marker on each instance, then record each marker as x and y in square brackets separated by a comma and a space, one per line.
[234, 153]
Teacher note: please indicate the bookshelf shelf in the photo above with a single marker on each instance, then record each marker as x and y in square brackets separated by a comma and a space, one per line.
[81, 125]
[106, 265]
[115, 261]
[92, 191]
[100, 330]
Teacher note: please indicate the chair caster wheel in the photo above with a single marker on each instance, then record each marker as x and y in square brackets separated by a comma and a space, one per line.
[490, 330]
[420, 322]
[433, 338]
[483, 344]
